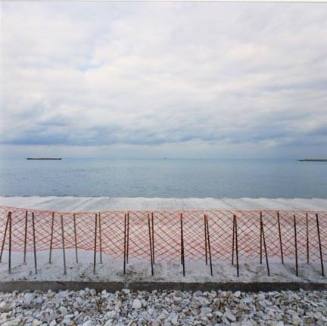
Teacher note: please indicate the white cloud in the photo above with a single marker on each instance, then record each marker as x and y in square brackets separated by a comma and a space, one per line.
[211, 75]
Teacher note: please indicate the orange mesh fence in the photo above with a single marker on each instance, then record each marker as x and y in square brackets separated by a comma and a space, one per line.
[168, 236]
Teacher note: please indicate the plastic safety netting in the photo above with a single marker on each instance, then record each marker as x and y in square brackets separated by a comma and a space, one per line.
[212, 235]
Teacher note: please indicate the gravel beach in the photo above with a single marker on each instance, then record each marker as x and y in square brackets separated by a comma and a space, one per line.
[87, 308]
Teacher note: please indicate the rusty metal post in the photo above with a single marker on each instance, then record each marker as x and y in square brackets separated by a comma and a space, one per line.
[152, 230]
[127, 239]
[4, 237]
[100, 238]
[260, 238]
[295, 247]
[264, 244]
[75, 236]
[320, 246]
[233, 240]
[236, 247]
[150, 241]
[95, 242]
[63, 243]
[307, 236]
[209, 245]
[182, 245]
[125, 225]
[205, 239]
[34, 242]
[25, 237]
[280, 238]
[51, 237]
[9, 247]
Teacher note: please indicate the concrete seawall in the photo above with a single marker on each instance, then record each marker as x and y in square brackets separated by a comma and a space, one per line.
[150, 286]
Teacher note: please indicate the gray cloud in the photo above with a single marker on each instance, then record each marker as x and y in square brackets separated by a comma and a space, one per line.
[210, 75]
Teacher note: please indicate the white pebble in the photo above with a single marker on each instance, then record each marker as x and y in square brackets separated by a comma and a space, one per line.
[89, 308]
[28, 298]
[229, 315]
[137, 304]
[4, 306]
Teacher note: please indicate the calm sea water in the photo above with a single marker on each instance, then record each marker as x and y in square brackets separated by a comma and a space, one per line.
[163, 178]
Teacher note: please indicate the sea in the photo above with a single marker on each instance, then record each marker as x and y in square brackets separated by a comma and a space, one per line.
[179, 178]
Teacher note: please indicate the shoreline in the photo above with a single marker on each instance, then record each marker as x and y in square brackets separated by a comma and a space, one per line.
[69, 203]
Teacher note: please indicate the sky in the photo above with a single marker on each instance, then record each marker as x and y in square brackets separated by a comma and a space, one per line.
[152, 80]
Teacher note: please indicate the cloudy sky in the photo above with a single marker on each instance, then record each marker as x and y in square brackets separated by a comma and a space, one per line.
[163, 79]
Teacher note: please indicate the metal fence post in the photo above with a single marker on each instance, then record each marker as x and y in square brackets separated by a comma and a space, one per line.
[75, 238]
[95, 242]
[280, 238]
[150, 242]
[25, 237]
[4, 237]
[264, 244]
[51, 237]
[209, 245]
[152, 230]
[233, 240]
[127, 238]
[260, 238]
[125, 226]
[307, 236]
[320, 246]
[63, 244]
[182, 245]
[100, 238]
[205, 239]
[295, 247]
[236, 246]
[9, 247]
[34, 243]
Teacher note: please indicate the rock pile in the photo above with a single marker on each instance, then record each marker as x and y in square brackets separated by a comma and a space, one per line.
[88, 308]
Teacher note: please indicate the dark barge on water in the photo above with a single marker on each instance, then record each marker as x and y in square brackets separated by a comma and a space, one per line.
[313, 160]
[44, 158]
